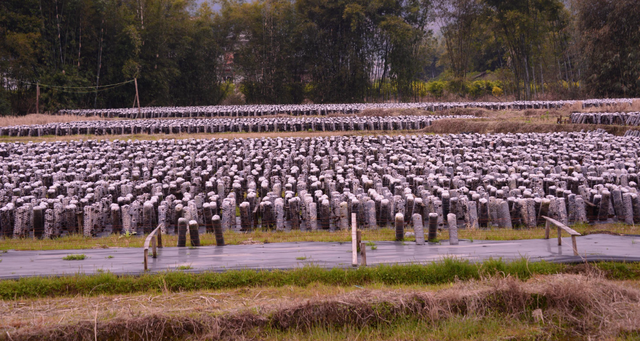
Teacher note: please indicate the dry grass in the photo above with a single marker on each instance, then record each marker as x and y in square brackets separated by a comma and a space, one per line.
[388, 112]
[477, 112]
[492, 126]
[76, 242]
[31, 119]
[566, 306]
[577, 106]
[47, 312]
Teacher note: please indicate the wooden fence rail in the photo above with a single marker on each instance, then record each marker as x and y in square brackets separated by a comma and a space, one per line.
[155, 239]
[561, 227]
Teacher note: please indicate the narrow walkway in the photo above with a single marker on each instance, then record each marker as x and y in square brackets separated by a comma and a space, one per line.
[17, 264]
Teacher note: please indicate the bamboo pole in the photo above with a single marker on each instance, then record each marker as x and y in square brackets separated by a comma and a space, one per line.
[38, 98]
[135, 80]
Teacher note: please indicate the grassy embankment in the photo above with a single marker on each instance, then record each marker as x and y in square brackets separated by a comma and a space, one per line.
[450, 300]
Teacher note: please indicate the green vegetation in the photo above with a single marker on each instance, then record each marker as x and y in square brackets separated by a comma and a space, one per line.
[411, 328]
[74, 257]
[447, 271]
[610, 49]
[289, 51]
[184, 267]
[372, 245]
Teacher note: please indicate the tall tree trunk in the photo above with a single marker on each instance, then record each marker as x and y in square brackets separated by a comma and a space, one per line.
[533, 73]
[527, 86]
[80, 44]
[95, 101]
[59, 38]
[542, 79]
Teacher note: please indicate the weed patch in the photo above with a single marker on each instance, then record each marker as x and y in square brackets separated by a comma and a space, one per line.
[74, 257]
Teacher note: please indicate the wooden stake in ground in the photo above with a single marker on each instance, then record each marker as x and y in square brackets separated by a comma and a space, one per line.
[354, 241]
[135, 81]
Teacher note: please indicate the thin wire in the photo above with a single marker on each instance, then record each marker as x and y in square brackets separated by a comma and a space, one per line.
[82, 91]
[78, 87]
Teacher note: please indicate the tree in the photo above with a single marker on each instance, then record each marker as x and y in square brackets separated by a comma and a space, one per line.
[267, 52]
[459, 21]
[609, 34]
[522, 26]
[200, 81]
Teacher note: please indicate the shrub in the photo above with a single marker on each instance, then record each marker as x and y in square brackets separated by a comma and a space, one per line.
[477, 88]
[420, 88]
[457, 86]
[436, 88]
[497, 91]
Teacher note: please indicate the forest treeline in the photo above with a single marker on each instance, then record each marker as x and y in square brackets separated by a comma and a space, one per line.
[85, 53]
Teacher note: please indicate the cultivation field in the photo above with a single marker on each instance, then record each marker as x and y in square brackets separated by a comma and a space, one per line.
[502, 180]
[619, 118]
[297, 176]
[196, 126]
[325, 109]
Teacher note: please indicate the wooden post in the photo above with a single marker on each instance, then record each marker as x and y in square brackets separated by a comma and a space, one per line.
[354, 241]
[154, 251]
[146, 256]
[559, 236]
[135, 80]
[358, 239]
[546, 229]
[561, 227]
[38, 98]
[153, 239]
[363, 253]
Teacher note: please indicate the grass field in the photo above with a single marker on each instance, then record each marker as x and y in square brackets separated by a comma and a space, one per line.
[451, 300]
[75, 242]
[446, 271]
